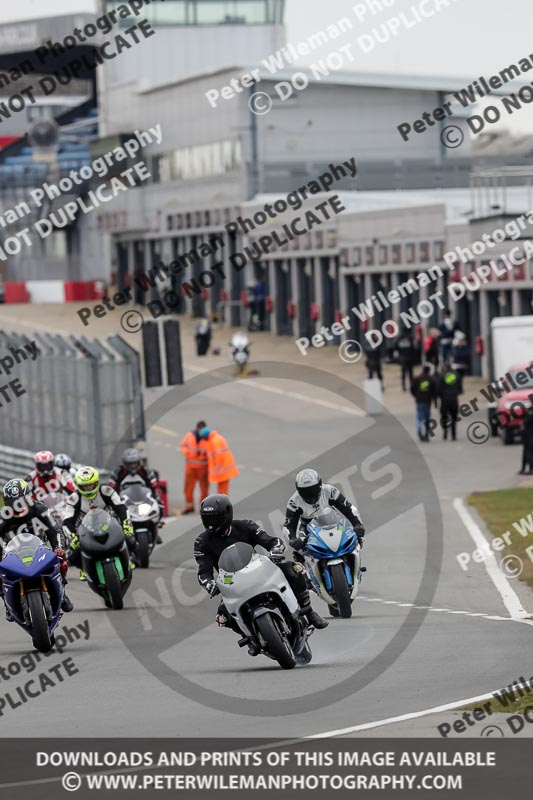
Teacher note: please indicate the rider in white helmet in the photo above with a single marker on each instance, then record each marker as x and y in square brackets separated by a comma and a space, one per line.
[310, 497]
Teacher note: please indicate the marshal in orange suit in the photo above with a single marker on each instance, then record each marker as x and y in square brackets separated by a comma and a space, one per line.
[193, 448]
[221, 466]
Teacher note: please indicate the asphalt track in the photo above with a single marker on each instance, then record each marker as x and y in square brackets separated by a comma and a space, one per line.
[169, 671]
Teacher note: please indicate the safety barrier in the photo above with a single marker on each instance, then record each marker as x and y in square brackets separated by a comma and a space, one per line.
[70, 395]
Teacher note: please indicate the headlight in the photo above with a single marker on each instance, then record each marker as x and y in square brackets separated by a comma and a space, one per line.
[144, 508]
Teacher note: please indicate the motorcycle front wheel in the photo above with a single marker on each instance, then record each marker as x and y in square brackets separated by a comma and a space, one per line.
[341, 590]
[275, 643]
[39, 626]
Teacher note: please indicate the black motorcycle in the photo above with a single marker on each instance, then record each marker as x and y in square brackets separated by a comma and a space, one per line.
[105, 556]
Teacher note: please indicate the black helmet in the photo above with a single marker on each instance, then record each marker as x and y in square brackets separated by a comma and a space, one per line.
[309, 485]
[216, 513]
[62, 461]
[15, 489]
[131, 460]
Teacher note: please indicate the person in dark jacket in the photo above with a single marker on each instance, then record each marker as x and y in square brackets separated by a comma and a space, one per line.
[373, 362]
[406, 356]
[449, 387]
[221, 531]
[527, 449]
[424, 390]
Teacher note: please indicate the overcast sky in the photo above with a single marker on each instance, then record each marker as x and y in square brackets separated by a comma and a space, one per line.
[468, 39]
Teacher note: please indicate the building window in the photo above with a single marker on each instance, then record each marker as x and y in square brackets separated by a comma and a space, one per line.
[188, 220]
[424, 252]
[319, 238]
[207, 219]
[207, 12]
[216, 216]
[410, 253]
[396, 254]
[199, 161]
[179, 221]
[170, 222]
[356, 257]
[369, 255]
[438, 251]
[383, 254]
[198, 219]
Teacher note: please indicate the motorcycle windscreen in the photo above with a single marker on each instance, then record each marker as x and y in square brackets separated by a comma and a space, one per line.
[25, 546]
[52, 500]
[236, 557]
[99, 531]
[135, 493]
[327, 518]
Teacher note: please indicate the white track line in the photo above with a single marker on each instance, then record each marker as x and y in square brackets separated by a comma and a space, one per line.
[400, 604]
[365, 726]
[509, 597]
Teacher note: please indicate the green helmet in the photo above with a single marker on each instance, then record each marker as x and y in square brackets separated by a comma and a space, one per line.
[87, 482]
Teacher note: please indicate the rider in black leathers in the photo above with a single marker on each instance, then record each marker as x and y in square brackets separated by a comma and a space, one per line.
[221, 531]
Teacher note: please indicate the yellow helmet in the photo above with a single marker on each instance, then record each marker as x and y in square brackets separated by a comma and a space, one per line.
[87, 482]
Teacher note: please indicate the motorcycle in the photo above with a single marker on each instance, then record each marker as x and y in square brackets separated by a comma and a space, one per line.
[56, 504]
[258, 597]
[105, 557]
[333, 561]
[144, 514]
[241, 352]
[33, 588]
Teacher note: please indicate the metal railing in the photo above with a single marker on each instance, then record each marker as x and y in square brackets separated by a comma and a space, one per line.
[81, 396]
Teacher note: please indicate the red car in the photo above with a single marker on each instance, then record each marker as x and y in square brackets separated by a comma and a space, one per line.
[513, 405]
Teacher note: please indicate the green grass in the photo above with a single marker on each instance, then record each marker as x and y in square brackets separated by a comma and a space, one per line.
[518, 707]
[499, 511]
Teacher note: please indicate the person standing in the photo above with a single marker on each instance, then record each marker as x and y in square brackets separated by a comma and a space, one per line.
[527, 438]
[424, 390]
[406, 356]
[450, 386]
[447, 330]
[373, 362]
[193, 448]
[431, 347]
[460, 354]
[221, 466]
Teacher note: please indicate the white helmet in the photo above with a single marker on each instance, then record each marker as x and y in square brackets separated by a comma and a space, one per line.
[309, 485]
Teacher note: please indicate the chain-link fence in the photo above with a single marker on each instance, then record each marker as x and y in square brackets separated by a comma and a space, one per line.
[81, 396]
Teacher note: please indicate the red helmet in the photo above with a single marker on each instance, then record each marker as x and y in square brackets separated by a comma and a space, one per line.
[44, 462]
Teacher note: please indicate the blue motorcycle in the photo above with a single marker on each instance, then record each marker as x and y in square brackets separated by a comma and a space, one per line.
[33, 588]
[333, 561]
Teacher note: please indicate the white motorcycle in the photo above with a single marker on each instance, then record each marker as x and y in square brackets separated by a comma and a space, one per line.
[144, 514]
[259, 599]
[241, 352]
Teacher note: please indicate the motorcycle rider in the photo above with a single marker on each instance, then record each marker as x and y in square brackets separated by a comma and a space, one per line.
[47, 478]
[310, 497]
[64, 463]
[89, 494]
[132, 464]
[221, 531]
[21, 513]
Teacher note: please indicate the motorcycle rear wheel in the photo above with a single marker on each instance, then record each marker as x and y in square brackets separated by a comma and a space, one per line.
[276, 644]
[39, 623]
